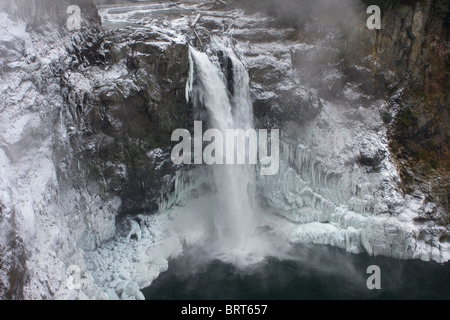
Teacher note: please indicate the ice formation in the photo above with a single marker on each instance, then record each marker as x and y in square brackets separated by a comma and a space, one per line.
[322, 194]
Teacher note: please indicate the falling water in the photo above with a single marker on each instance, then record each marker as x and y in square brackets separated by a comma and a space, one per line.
[235, 216]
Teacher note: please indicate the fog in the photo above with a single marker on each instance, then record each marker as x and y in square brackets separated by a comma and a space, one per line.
[344, 14]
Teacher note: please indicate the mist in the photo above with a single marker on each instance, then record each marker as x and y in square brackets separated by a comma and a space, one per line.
[342, 15]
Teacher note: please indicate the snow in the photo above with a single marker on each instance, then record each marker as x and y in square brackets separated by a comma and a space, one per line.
[12, 30]
[185, 182]
[327, 234]
[36, 209]
[322, 194]
[125, 265]
[334, 199]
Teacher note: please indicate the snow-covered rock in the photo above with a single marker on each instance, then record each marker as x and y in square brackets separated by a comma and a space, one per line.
[85, 118]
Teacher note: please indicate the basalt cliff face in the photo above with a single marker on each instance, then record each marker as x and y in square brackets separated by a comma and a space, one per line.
[86, 118]
[86, 121]
[410, 62]
[405, 63]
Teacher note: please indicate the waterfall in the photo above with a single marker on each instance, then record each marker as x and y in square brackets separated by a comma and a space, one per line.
[235, 218]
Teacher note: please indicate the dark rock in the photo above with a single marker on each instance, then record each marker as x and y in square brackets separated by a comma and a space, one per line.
[227, 67]
[371, 158]
[134, 117]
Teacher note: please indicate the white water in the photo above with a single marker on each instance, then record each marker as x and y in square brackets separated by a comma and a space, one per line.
[235, 216]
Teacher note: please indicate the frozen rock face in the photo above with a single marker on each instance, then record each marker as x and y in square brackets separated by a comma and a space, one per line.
[407, 58]
[403, 63]
[338, 177]
[123, 113]
[86, 119]
[43, 219]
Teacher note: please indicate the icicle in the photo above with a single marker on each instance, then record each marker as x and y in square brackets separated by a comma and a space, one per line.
[190, 81]
[185, 182]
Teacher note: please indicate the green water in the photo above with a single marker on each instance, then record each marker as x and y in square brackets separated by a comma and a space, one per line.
[313, 272]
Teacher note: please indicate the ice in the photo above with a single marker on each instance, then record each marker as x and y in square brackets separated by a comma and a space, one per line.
[123, 266]
[190, 80]
[36, 211]
[135, 231]
[185, 182]
[323, 194]
[340, 200]
[12, 30]
[328, 234]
